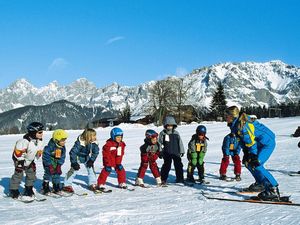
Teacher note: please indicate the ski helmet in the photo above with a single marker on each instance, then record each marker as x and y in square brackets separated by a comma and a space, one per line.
[59, 134]
[151, 134]
[116, 132]
[35, 127]
[201, 130]
[232, 111]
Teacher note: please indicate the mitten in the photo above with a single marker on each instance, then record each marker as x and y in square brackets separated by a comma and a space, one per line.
[51, 170]
[58, 169]
[160, 155]
[119, 166]
[90, 163]
[75, 166]
[19, 166]
[253, 160]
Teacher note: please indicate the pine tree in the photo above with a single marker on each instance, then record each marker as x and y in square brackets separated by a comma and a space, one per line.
[218, 104]
[125, 114]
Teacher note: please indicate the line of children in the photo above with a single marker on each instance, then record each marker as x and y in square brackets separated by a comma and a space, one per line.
[197, 148]
[53, 158]
[231, 147]
[150, 151]
[85, 151]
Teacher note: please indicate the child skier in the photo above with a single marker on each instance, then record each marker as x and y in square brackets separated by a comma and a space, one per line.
[113, 152]
[231, 147]
[258, 143]
[53, 158]
[172, 149]
[197, 148]
[85, 150]
[150, 151]
[26, 150]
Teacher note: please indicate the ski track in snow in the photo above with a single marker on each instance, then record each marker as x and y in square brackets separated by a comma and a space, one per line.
[174, 204]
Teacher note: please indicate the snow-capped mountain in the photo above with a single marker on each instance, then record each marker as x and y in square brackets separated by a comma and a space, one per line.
[246, 83]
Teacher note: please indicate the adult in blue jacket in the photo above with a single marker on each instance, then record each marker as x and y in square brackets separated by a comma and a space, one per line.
[54, 155]
[258, 143]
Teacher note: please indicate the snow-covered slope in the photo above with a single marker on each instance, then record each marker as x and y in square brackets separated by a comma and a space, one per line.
[246, 83]
[171, 205]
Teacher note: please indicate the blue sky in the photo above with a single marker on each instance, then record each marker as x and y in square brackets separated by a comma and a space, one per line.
[133, 41]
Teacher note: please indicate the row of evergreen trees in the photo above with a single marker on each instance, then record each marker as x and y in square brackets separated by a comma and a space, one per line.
[186, 113]
[218, 106]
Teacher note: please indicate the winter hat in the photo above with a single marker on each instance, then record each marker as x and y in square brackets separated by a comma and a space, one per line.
[169, 120]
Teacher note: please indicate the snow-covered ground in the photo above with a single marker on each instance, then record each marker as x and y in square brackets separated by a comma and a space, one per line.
[171, 205]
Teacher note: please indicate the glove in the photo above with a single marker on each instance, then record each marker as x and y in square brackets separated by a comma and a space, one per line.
[90, 163]
[58, 169]
[19, 166]
[75, 166]
[51, 170]
[299, 144]
[181, 154]
[119, 167]
[253, 161]
[160, 155]
[245, 159]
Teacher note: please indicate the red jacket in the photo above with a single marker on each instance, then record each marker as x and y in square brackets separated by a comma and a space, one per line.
[113, 153]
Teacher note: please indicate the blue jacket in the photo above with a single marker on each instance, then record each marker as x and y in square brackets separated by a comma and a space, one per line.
[253, 135]
[231, 145]
[84, 152]
[53, 154]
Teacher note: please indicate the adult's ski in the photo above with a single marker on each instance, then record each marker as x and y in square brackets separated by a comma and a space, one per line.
[283, 200]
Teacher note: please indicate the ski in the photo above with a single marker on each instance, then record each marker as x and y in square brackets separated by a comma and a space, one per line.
[81, 194]
[100, 191]
[294, 174]
[253, 199]
[142, 185]
[24, 199]
[127, 188]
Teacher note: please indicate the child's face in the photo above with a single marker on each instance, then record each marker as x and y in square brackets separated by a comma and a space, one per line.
[169, 127]
[62, 142]
[118, 139]
[94, 138]
[39, 134]
[201, 137]
[228, 118]
[154, 140]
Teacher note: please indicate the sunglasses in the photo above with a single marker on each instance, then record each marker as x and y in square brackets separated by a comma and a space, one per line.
[39, 132]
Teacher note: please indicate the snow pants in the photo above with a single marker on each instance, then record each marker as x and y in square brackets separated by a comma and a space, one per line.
[225, 162]
[260, 174]
[166, 167]
[17, 177]
[148, 159]
[121, 173]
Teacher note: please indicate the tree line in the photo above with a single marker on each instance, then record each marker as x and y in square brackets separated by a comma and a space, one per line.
[170, 97]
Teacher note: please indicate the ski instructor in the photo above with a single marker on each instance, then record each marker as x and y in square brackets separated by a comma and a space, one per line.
[258, 143]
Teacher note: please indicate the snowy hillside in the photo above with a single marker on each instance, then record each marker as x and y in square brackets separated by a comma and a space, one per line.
[245, 83]
[171, 205]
